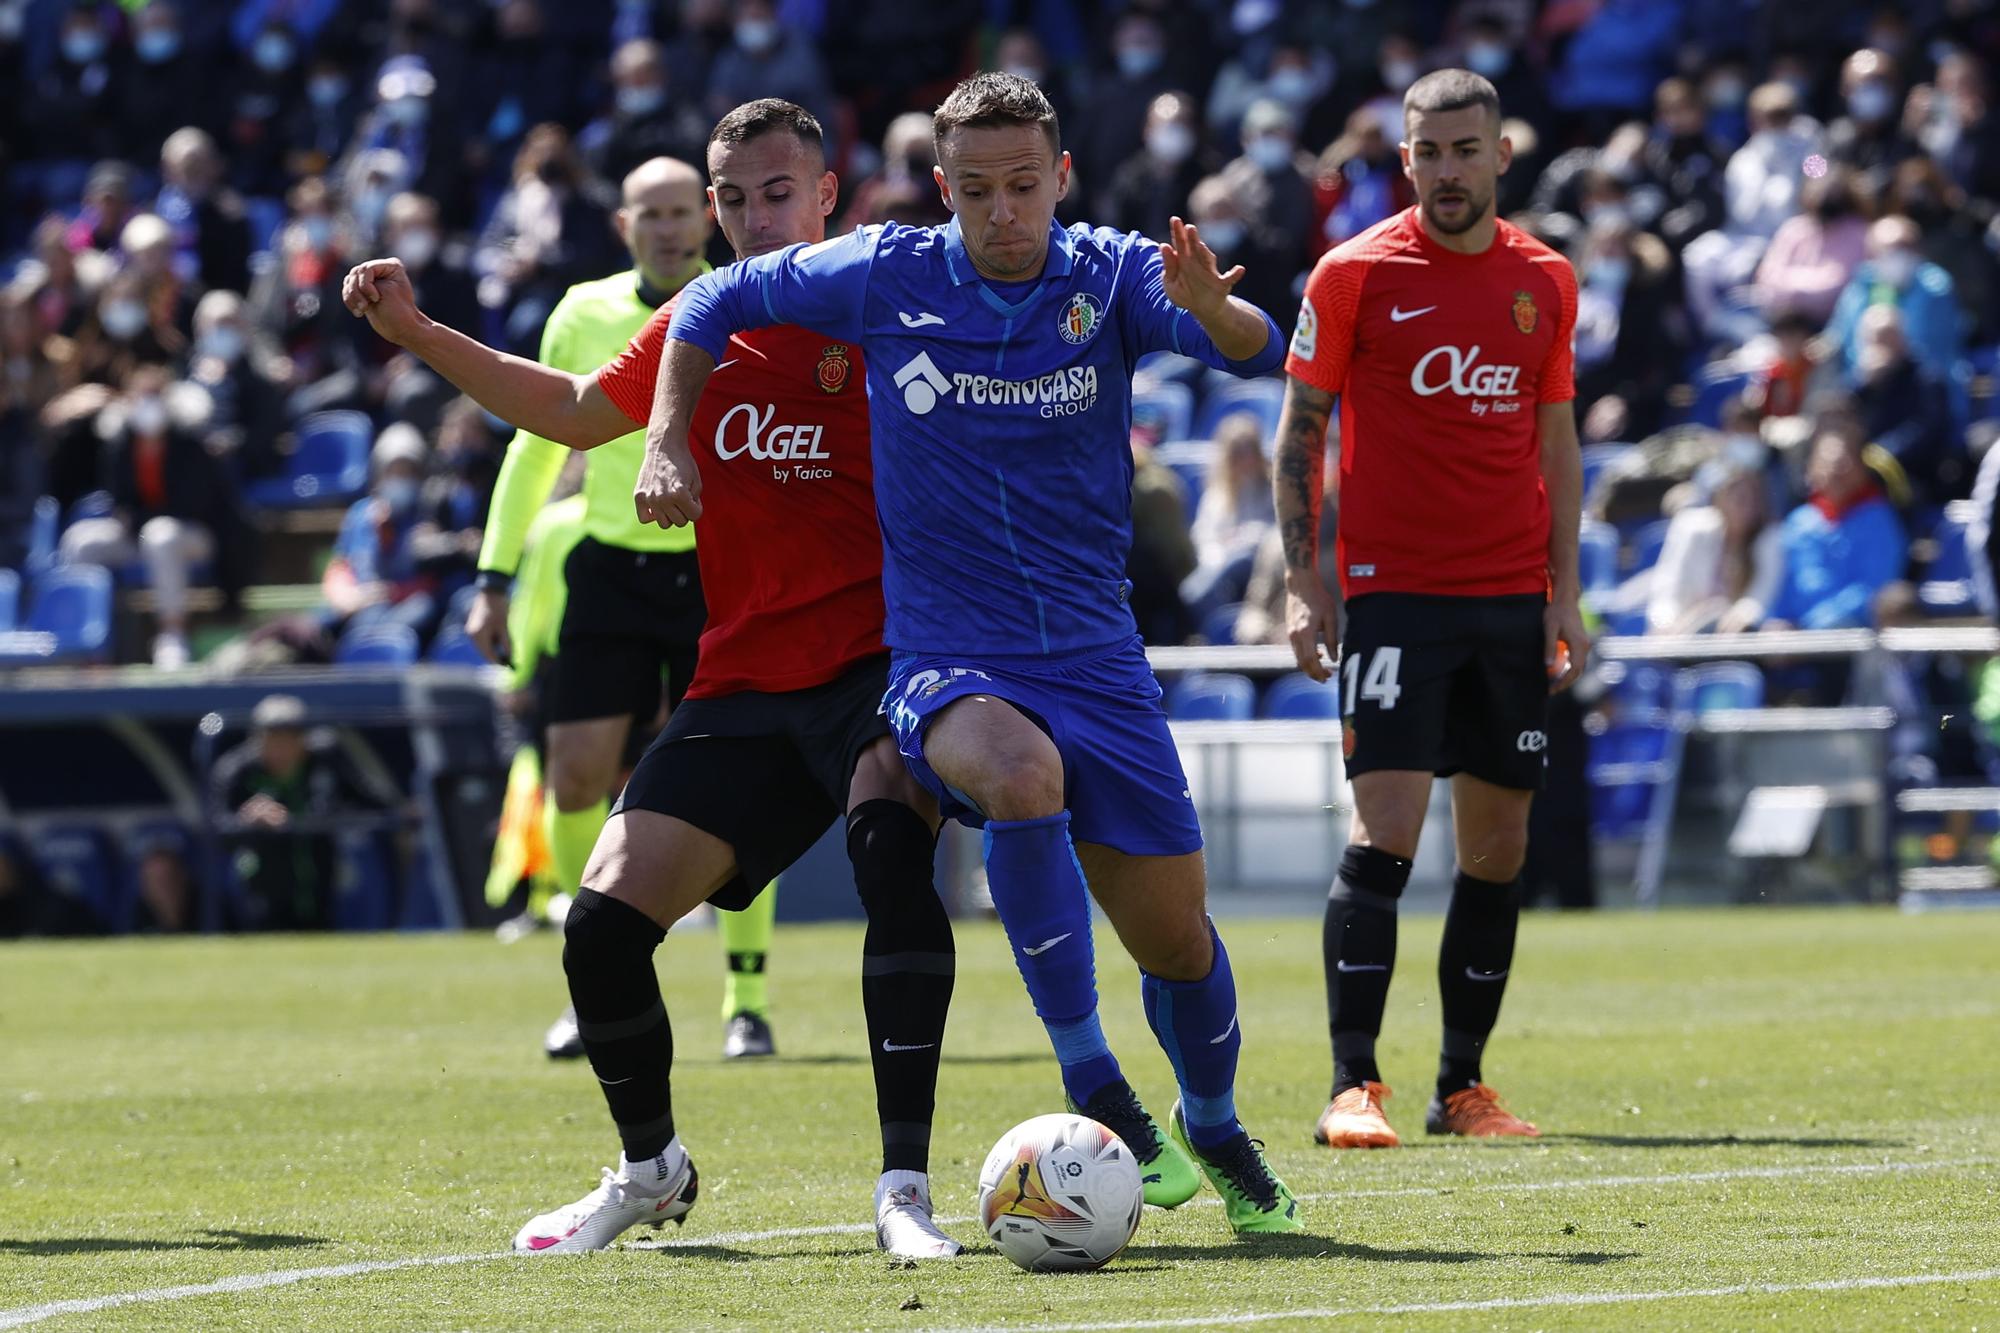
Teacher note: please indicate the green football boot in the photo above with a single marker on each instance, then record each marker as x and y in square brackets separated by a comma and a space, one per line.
[1165, 1169]
[1253, 1197]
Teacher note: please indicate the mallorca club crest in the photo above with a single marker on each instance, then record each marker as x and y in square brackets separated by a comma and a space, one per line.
[1525, 314]
[833, 368]
[1079, 318]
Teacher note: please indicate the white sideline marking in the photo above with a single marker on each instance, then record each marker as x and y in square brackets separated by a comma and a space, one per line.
[21, 1316]
[1570, 1299]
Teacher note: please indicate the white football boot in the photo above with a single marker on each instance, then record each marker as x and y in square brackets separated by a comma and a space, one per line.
[563, 1041]
[903, 1224]
[614, 1207]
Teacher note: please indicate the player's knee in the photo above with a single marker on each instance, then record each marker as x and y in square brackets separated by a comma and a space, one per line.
[1371, 876]
[891, 849]
[1021, 785]
[575, 782]
[1496, 855]
[1185, 952]
[601, 933]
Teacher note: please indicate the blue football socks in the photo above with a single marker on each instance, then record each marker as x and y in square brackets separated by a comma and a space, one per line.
[1195, 1022]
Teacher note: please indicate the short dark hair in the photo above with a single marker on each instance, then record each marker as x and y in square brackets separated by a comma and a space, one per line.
[1451, 90]
[769, 115]
[988, 101]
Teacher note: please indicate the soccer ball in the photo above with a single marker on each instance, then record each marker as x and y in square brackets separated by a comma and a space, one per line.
[1060, 1192]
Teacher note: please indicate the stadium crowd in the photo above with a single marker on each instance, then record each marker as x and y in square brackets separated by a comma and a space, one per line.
[1781, 215]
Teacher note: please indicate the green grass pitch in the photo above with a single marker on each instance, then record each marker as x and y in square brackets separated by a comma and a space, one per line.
[1783, 1119]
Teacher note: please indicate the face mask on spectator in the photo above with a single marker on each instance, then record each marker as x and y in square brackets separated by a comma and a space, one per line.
[1032, 73]
[1726, 94]
[1222, 235]
[224, 342]
[1171, 142]
[1611, 272]
[148, 415]
[1871, 102]
[1488, 59]
[1136, 62]
[319, 231]
[401, 495]
[123, 320]
[641, 99]
[407, 111]
[1292, 85]
[1896, 267]
[417, 247]
[1605, 213]
[756, 34]
[326, 90]
[369, 206]
[272, 53]
[157, 45]
[1271, 152]
[1399, 74]
[81, 46]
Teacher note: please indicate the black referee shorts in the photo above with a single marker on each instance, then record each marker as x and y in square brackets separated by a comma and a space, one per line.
[1445, 685]
[765, 773]
[633, 621]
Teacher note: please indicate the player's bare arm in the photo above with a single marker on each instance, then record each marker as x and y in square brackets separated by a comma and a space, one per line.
[1194, 281]
[1566, 640]
[554, 404]
[1312, 611]
[668, 491]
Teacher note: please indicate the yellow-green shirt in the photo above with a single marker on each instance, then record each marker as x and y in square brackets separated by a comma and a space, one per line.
[589, 326]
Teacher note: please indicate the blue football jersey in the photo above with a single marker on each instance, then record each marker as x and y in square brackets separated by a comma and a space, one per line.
[1001, 428]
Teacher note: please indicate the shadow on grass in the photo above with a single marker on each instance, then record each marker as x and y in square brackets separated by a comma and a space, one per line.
[833, 1058]
[207, 1240]
[1721, 1141]
[1302, 1245]
[1583, 1258]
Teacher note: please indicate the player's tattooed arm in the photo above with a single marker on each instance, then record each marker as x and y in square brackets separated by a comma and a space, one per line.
[1300, 469]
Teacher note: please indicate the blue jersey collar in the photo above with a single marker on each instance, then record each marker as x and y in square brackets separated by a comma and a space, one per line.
[1062, 254]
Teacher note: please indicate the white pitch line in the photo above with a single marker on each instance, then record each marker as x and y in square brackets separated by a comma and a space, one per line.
[1571, 1299]
[21, 1316]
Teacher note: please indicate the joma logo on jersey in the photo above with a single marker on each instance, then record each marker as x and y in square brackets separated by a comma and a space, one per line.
[758, 438]
[1462, 374]
[1061, 393]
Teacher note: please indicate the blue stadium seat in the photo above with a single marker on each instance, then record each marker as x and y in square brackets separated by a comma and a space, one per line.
[95, 504]
[1189, 460]
[1205, 696]
[77, 859]
[377, 645]
[364, 883]
[1219, 625]
[72, 605]
[1643, 686]
[1598, 457]
[1299, 696]
[454, 647]
[1165, 408]
[1597, 556]
[1714, 387]
[1627, 764]
[329, 466]
[1647, 544]
[1262, 398]
[266, 216]
[1720, 685]
[1946, 589]
[44, 529]
[10, 598]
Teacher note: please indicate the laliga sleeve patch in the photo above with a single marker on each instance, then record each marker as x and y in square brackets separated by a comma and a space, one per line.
[1305, 338]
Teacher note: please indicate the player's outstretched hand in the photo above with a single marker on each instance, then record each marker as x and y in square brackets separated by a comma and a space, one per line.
[1192, 278]
[1565, 644]
[1312, 622]
[669, 488]
[380, 291]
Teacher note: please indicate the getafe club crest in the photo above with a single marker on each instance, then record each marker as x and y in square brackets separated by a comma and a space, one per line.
[1525, 314]
[1079, 318]
[833, 368]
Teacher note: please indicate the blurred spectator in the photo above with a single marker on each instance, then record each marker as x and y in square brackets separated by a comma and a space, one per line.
[72, 111]
[1610, 64]
[1725, 92]
[262, 790]
[61, 284]
[1869, 138]
[1162, 553]
[1358, 182]
[1225, 229]
[1234, 515]
[1904, 410]
[211, 234]
[550, 231]
[1760, 190]
[233, 367]
[413, 231]
[264, 99]
[128, 326]
[649, 117]
[1020, 52]
[30, 908]
[375, 576]
[904, 189]
[1842, 546]
[1953, 236]
[166, 889]
[524, 73]
[27, 382]
[1815, 252]
[767, 59]
[296, 303]
[445, 544]
[107, 206]
[1492, 51]
[1779, 381]
[316, 133]
[699, 37]
[1953, 121]
[1262, 619]
[172, 508]
[1722, 562]
[1631, 338]
[1151, 187]
[372, 178]
[1896, 274]
[1294, 75]
[1687, 162]
[1274, 192]
[163, 86]
[405, 120]
[1110, 126]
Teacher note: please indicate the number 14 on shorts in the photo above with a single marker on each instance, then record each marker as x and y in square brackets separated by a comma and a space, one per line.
[1378, 683]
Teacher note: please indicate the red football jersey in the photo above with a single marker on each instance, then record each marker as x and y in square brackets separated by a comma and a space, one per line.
[789, 549]
[1440, 360]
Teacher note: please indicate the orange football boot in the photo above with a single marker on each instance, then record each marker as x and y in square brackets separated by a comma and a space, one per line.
[1476, 1113]
[1355, 1120]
